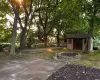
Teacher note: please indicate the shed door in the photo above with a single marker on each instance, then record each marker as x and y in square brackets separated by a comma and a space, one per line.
[77, 44]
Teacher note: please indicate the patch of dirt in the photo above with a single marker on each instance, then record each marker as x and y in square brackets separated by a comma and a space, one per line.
[76, 72]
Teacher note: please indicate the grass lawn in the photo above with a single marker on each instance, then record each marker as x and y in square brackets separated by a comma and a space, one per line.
[47, 55]
[91, 60]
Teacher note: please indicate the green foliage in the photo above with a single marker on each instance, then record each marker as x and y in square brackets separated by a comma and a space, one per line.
[66, 16]
[3, 45]
[92, 10]
[5, 35]
[96, 41]
[90, 60]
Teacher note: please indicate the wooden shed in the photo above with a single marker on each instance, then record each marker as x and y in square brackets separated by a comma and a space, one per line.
[79, 42]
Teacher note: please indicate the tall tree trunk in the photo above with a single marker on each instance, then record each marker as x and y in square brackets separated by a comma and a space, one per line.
[58, 35]
[90, 40]
[14, 33]
[23, 35]
[23, 38]
[58, 39]
[89, 43]
[45, 40]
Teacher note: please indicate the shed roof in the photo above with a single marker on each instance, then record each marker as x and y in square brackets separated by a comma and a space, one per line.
[77, 36]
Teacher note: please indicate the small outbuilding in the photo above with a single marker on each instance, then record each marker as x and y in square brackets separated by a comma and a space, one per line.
[79, 42]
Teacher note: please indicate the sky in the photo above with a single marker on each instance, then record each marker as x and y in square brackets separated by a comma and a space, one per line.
[10, 19]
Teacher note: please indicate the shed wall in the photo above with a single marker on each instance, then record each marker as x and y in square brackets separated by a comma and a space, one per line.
[70, 45]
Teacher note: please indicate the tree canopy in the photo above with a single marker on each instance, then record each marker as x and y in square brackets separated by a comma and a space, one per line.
[54, 18]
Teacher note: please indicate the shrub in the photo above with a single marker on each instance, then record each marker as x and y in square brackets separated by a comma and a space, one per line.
[3, 45]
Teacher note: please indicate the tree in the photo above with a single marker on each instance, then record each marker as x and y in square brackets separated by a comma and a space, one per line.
[69, 18]
[15, 6]
[28, 9]
[45, 15]
[91, 10]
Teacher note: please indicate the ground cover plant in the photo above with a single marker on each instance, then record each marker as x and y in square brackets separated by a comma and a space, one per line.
[90, 60]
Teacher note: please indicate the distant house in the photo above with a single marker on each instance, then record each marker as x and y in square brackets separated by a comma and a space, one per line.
[79, 41]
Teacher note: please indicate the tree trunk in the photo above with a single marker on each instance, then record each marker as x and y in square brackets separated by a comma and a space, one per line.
[45, 41]
[58, 35]
[23, 35]
[58, 39]
[23, 38]
[89, 43]
[14, 33]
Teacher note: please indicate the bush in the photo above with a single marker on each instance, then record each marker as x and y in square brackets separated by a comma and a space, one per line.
[95, 48]
[3, 45]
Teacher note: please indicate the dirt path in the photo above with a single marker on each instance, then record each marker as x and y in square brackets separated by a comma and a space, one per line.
[28, 69]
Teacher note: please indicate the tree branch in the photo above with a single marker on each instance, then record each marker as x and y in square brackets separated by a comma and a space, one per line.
[41, 19]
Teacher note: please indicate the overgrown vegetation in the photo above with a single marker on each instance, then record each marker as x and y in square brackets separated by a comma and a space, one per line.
[91, 60]
[40, 20]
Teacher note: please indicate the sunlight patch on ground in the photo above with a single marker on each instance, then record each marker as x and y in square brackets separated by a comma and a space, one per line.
[49, 50]
[65, 48]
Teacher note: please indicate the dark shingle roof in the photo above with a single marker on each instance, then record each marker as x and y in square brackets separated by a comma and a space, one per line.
[77, 36]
